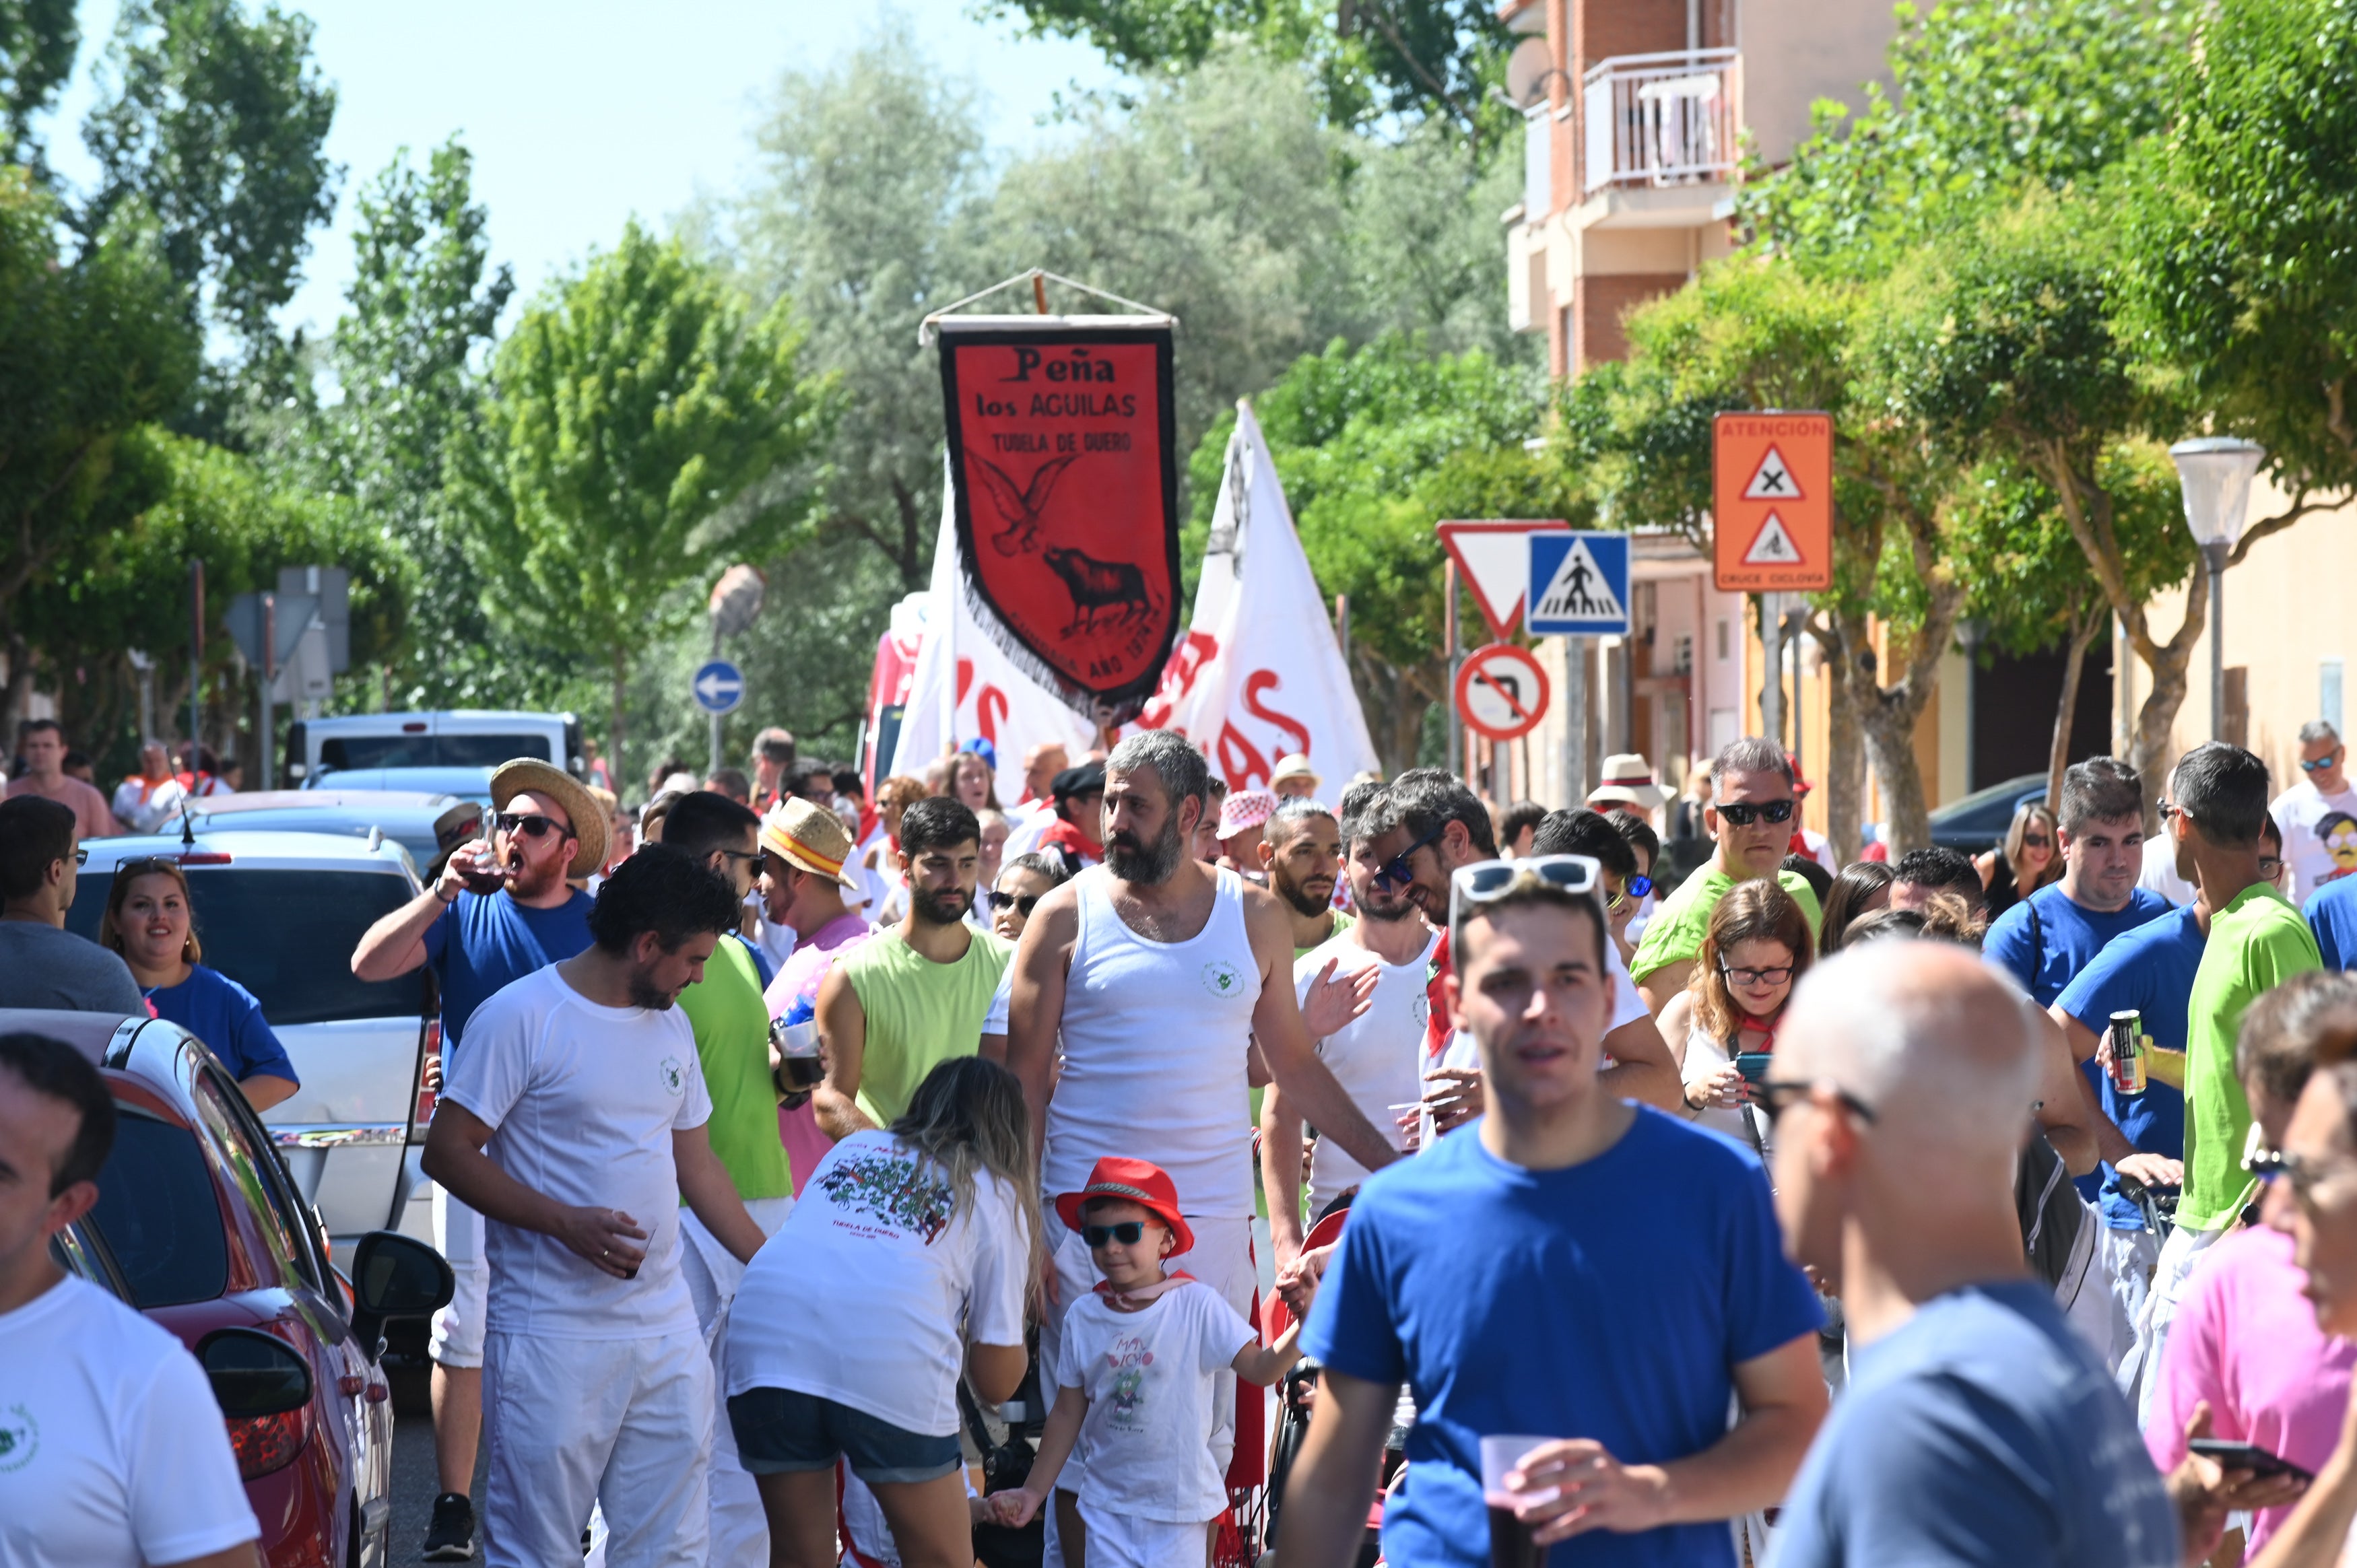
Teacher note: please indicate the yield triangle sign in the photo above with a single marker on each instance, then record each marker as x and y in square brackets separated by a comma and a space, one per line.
[1578, 590]
[1493, 557]
[1773, 546]
[1772, 481]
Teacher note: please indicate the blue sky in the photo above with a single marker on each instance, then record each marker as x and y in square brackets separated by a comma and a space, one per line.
[584, 113]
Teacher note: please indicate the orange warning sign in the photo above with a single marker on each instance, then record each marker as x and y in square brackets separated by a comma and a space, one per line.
[1772, 494]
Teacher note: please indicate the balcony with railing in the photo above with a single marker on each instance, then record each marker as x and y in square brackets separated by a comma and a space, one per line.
[1659, 120]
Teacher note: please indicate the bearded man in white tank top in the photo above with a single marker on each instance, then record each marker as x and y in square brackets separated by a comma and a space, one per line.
[1161, 973]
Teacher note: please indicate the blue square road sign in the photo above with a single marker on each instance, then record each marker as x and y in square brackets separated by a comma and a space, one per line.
[1580, 586]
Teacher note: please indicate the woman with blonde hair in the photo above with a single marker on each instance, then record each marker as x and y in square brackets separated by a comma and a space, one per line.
[1754, 952]
[150, 919]
[910, 1257]
[2030, 858]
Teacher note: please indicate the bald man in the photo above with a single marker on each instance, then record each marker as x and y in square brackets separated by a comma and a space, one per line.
[1977, 1427]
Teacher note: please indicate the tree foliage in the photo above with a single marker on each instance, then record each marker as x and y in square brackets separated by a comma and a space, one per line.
[636, 418]
[39, 39]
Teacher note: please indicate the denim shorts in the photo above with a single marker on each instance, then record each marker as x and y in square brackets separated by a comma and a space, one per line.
[778, 1430]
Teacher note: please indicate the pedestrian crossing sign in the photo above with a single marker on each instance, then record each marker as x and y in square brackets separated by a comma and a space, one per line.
[1771, 502]
[1578, 585]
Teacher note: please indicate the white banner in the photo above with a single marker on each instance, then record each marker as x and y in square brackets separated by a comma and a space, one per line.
[1259, 675]
[988, 696]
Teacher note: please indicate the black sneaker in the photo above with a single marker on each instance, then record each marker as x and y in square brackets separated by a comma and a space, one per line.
[451, 1537]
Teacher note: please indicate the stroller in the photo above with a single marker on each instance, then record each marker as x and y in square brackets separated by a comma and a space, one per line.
[1295, 1394]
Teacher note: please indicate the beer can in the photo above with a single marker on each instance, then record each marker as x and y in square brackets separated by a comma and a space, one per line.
[2127, 1052]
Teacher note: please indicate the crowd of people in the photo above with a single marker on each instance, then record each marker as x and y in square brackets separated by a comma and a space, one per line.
[1706, 1206]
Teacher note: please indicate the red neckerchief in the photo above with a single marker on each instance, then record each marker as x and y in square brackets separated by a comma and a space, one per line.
[1130, 1301]
[1437, 1030]
[1775, 1021]
[1068, 835]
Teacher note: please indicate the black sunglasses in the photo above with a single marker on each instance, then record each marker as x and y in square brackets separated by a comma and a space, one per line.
[1127, 1233]
[1395, 872]
[82, 857]
[1743, 813]
[1022, 903]
[531, 824]
[1777, 1095]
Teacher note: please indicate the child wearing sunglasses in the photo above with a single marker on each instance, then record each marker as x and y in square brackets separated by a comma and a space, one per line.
[1134, 1378]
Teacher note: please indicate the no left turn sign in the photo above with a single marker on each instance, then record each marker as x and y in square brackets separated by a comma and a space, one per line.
[1502, 692]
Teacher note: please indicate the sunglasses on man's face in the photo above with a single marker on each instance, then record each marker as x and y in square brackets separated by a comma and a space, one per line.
[531, 824]
[1395, 872]
[1022, 903]
[2321, 763]
[1743, 813]
[1128, 1233]
[1777, 1096]
[1631, 891]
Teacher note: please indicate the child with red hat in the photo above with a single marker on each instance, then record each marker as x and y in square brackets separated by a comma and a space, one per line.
[1134, 1380]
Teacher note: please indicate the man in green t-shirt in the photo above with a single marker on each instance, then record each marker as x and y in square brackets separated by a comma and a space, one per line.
[913, 996]
[732, 1043]
[1301, 850]
[1749, 818]
[2217, 809]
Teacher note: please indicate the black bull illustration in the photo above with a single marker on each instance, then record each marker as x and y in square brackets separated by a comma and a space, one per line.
[1096, 586]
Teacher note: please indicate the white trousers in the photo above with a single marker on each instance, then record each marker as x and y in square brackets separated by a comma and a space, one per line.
[573, 1423]
[1221, 1258]
[458, 1333]
[1115, 1542]
[2180, 1255]
[2128, 1259]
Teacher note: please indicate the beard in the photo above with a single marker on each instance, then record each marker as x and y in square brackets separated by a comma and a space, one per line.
[1134, 862]
[1391, 913]
[1298, 895]
[645, 992]
[946, 908]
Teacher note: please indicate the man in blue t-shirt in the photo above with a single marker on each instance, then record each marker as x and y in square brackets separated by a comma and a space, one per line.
[548, 828]
[2047, 937]
[1977, 1426]
[1574, 1266]
[2331, 912]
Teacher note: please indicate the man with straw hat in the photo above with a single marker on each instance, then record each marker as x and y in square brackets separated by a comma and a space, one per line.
[497, 910]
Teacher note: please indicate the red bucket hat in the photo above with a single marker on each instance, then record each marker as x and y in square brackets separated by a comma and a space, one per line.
[1142, 1181]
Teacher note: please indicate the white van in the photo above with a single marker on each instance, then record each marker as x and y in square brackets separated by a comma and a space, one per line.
[456, 738]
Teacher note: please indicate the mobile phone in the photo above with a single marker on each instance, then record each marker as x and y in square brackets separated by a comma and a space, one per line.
[2233, 1455]
[1752, 1065]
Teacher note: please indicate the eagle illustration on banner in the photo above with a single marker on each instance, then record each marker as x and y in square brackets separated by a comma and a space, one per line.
[1064, 479]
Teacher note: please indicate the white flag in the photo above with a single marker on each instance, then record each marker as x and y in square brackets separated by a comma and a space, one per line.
[965, 687]
[1259, 676]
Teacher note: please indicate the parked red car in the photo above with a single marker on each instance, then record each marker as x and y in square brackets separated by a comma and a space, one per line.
[199, 1228]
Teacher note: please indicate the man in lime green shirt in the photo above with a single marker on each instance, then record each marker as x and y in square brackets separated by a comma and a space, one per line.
[1301, 851]
[2217, 809]
[909, 998]
[732, 1043]
[1750, 816]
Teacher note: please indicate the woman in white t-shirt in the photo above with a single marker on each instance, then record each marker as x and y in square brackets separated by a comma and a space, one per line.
[1754, 952]
[909, 1256]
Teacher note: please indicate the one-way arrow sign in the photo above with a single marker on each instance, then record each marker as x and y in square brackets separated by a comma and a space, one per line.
[718, 686]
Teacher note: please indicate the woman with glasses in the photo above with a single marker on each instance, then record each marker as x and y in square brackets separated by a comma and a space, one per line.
[1758, 945]
[150, 920]
[2030, 857]
[908, 1259]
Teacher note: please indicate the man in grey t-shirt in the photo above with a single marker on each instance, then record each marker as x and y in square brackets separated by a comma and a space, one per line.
[41, 963]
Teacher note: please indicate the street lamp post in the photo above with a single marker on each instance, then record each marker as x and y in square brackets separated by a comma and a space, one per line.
[2215, 474]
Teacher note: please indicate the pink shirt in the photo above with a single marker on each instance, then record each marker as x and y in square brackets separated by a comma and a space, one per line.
[93, 817]
[2247, 1340]
[797, 980]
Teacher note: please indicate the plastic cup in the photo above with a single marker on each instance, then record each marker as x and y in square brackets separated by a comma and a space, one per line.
[1511, 1545]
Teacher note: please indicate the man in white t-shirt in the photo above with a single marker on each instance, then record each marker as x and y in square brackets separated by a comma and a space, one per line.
[1378, 1057]
[2318, 816]
[113, 1454]
[575, 1124]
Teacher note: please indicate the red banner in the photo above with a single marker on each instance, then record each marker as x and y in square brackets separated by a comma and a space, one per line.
[1064, 466]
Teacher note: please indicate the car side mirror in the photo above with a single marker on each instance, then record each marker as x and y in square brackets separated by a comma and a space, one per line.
[254, 1374]
[396, 1276]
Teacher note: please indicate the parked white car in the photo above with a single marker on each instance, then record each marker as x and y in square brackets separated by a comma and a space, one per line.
[280, 913]
[456, 738]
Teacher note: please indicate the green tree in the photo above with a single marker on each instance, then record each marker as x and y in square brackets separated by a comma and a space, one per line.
[423, 307]
[37, 42]
[1374, 58]
[93, 347]
[1374, 446]
[216, 123]
[871, 190]
[2242, 248]
[631, 449]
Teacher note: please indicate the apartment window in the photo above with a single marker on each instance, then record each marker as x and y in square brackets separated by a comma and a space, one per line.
[1722, 637]
[2328, 693]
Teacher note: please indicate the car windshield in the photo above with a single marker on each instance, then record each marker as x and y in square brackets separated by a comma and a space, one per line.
[158, 1212]
[286, 936]
[1991, 805]
[343, 752]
